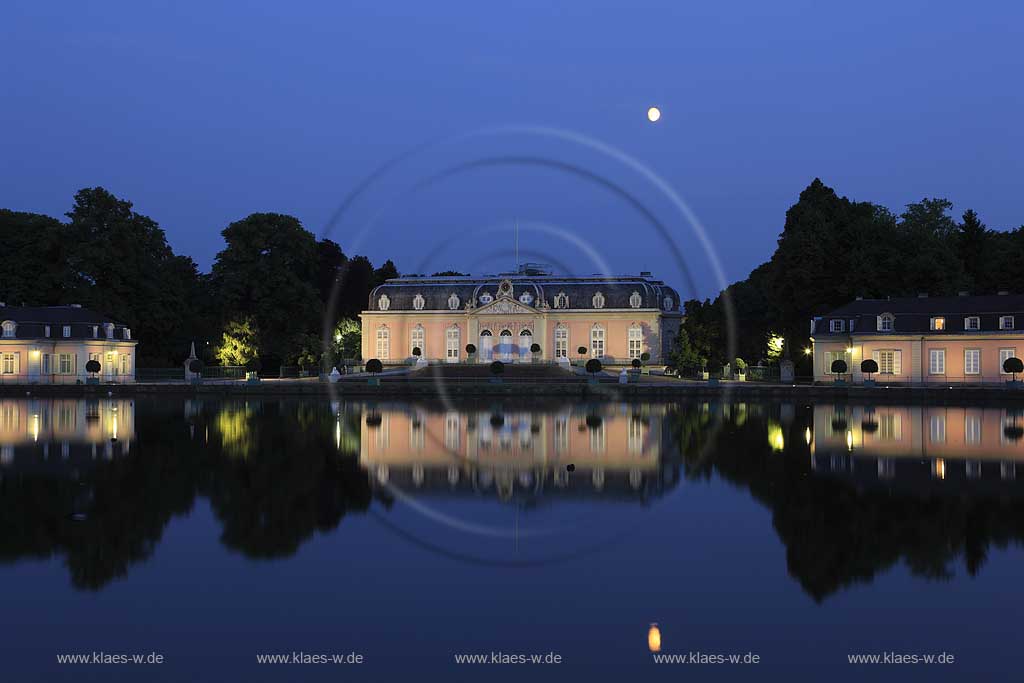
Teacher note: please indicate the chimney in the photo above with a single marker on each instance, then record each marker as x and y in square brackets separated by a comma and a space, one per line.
[962, 293]
[922, 295]
[1002, 292]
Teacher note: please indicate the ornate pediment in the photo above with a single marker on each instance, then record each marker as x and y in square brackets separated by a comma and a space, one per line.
[505, 306]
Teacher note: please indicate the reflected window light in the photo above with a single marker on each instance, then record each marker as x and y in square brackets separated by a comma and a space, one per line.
[939, 468]
[807, 436]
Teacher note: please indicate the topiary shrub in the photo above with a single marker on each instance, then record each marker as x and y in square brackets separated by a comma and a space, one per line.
[839, 367]
[582, 350]
[644, 357]
[374, 366]
[416, 351]
[868, 367]
[635, 363]
[253, 365]
[593, 366]
[195, 366]
[1013, 365]
[470, 349]
[534, 348]
[497, 368]
[92, 366]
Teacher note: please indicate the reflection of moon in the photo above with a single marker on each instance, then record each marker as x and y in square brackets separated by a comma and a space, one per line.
[653, 114]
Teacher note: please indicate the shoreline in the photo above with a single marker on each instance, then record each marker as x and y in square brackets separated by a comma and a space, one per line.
[603, 390]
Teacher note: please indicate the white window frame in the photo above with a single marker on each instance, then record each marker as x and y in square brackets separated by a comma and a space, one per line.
[384, 302]
[886, 322]
[972, 429]
[972, 323]
[1006, 322]
[66, 331]
[886, 361]
[8, 364]
[127, 333]
[635, 341]
[418, 302]
[938, 323]
[1003, 356]
[10, 329]
[383, 347]
[937, 428]
[561, 341]
[418, 337]
[452, 337]
[635, 300]
[597, 342]
[836, 325]
[453, 302]
[976, 354]
[936, 368]
[561, 300]
[598, 300]
[65, 364]
[830, 357]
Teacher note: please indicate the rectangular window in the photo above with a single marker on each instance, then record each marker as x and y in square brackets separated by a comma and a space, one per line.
[885, 323]
[836, 325]
[67, 331]
[383, 344]
[636, 342]
[972, 323]
[886, 362]
[635, 438]
[561, 342]
[972, 361]
[1006, 322]
[937, 361]
[46, 330]
[452, 344]
[124, 363]
[8, 363]
[127, 333]
[65, 364]
[832, 356]
[597, 342]
[46, 364]
[1003, 355]
[561, 434]
[938, 324]
[417, 340]
[95, 331]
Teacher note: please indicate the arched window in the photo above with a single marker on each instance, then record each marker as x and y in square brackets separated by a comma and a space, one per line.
[10, 328]
[384, 302]
[451, 344]
[636, 341]
[383, 342]
[561, 342]
[597, 342]
[635, 300]
[599, 300]
[885, 322]
[561, 300]
[418, 339]
[525, 341]
[668, 303]
[108, 330]
[526, 298]
[505, 344]
[453, 302]
[486, 298]
[417, 302]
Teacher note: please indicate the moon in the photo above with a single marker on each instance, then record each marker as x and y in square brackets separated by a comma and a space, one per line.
[653, 114]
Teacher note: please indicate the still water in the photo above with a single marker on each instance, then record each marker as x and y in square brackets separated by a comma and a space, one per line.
[211, 532]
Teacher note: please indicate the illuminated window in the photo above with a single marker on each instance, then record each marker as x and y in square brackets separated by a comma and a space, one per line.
[561, 342]
[1006, 322]
[836, 325]
[65, 363]
[124, 363]
[67, 331]
[451, 344]
[938, 324]
[636, 341]
[597, 342]
[635, 300]
[937, 361]
[9, 328]
[972, 323]
[885, 322]
[8, 364]
[383, 343]
[384, 302]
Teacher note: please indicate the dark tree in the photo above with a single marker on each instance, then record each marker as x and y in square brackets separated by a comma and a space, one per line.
[839, 367]
[330, 260]
[635, 363]
[374, 366]
[1013, 365]
[92, 366]
[593, 366]
[868, 366]
[387, 271]
[535, 348]
[449, 273]
[356, 281]
[195, 366]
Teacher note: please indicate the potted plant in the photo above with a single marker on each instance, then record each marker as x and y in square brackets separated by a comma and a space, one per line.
[497, 370]
[741, 370]
[252, 370]
[838, 369]
[644, 357]
[535, 350]
[195, 366]
[582, 351]
[470, 352]
[869, 367]
[1013, 365]
[634, 375]
[417, 357]
[593, 366]
[374, 367]
[93, 368]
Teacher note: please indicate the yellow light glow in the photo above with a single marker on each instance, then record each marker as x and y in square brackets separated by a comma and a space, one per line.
[807, 436]
[776, 439]
[807, 351]
[653, 114]
[940, 468]
[34, 353]
[849, 349]
[849, 440]
[35, 427]
[654, 638]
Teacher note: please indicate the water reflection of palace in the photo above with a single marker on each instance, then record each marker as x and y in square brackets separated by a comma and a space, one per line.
[610, 451]
[64, 428]
[922, 442]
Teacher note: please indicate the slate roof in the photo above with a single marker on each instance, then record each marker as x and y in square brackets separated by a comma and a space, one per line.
[542, 288]
[32, 321]
[912, 315]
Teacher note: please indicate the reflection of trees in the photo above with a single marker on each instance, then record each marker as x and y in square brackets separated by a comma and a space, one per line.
[111, 514]
[835, 533]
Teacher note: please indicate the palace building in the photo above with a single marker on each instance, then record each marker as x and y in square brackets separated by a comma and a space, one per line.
[53, 344]
[615, 318]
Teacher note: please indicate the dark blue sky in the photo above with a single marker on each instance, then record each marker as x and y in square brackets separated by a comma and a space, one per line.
[201, 113]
